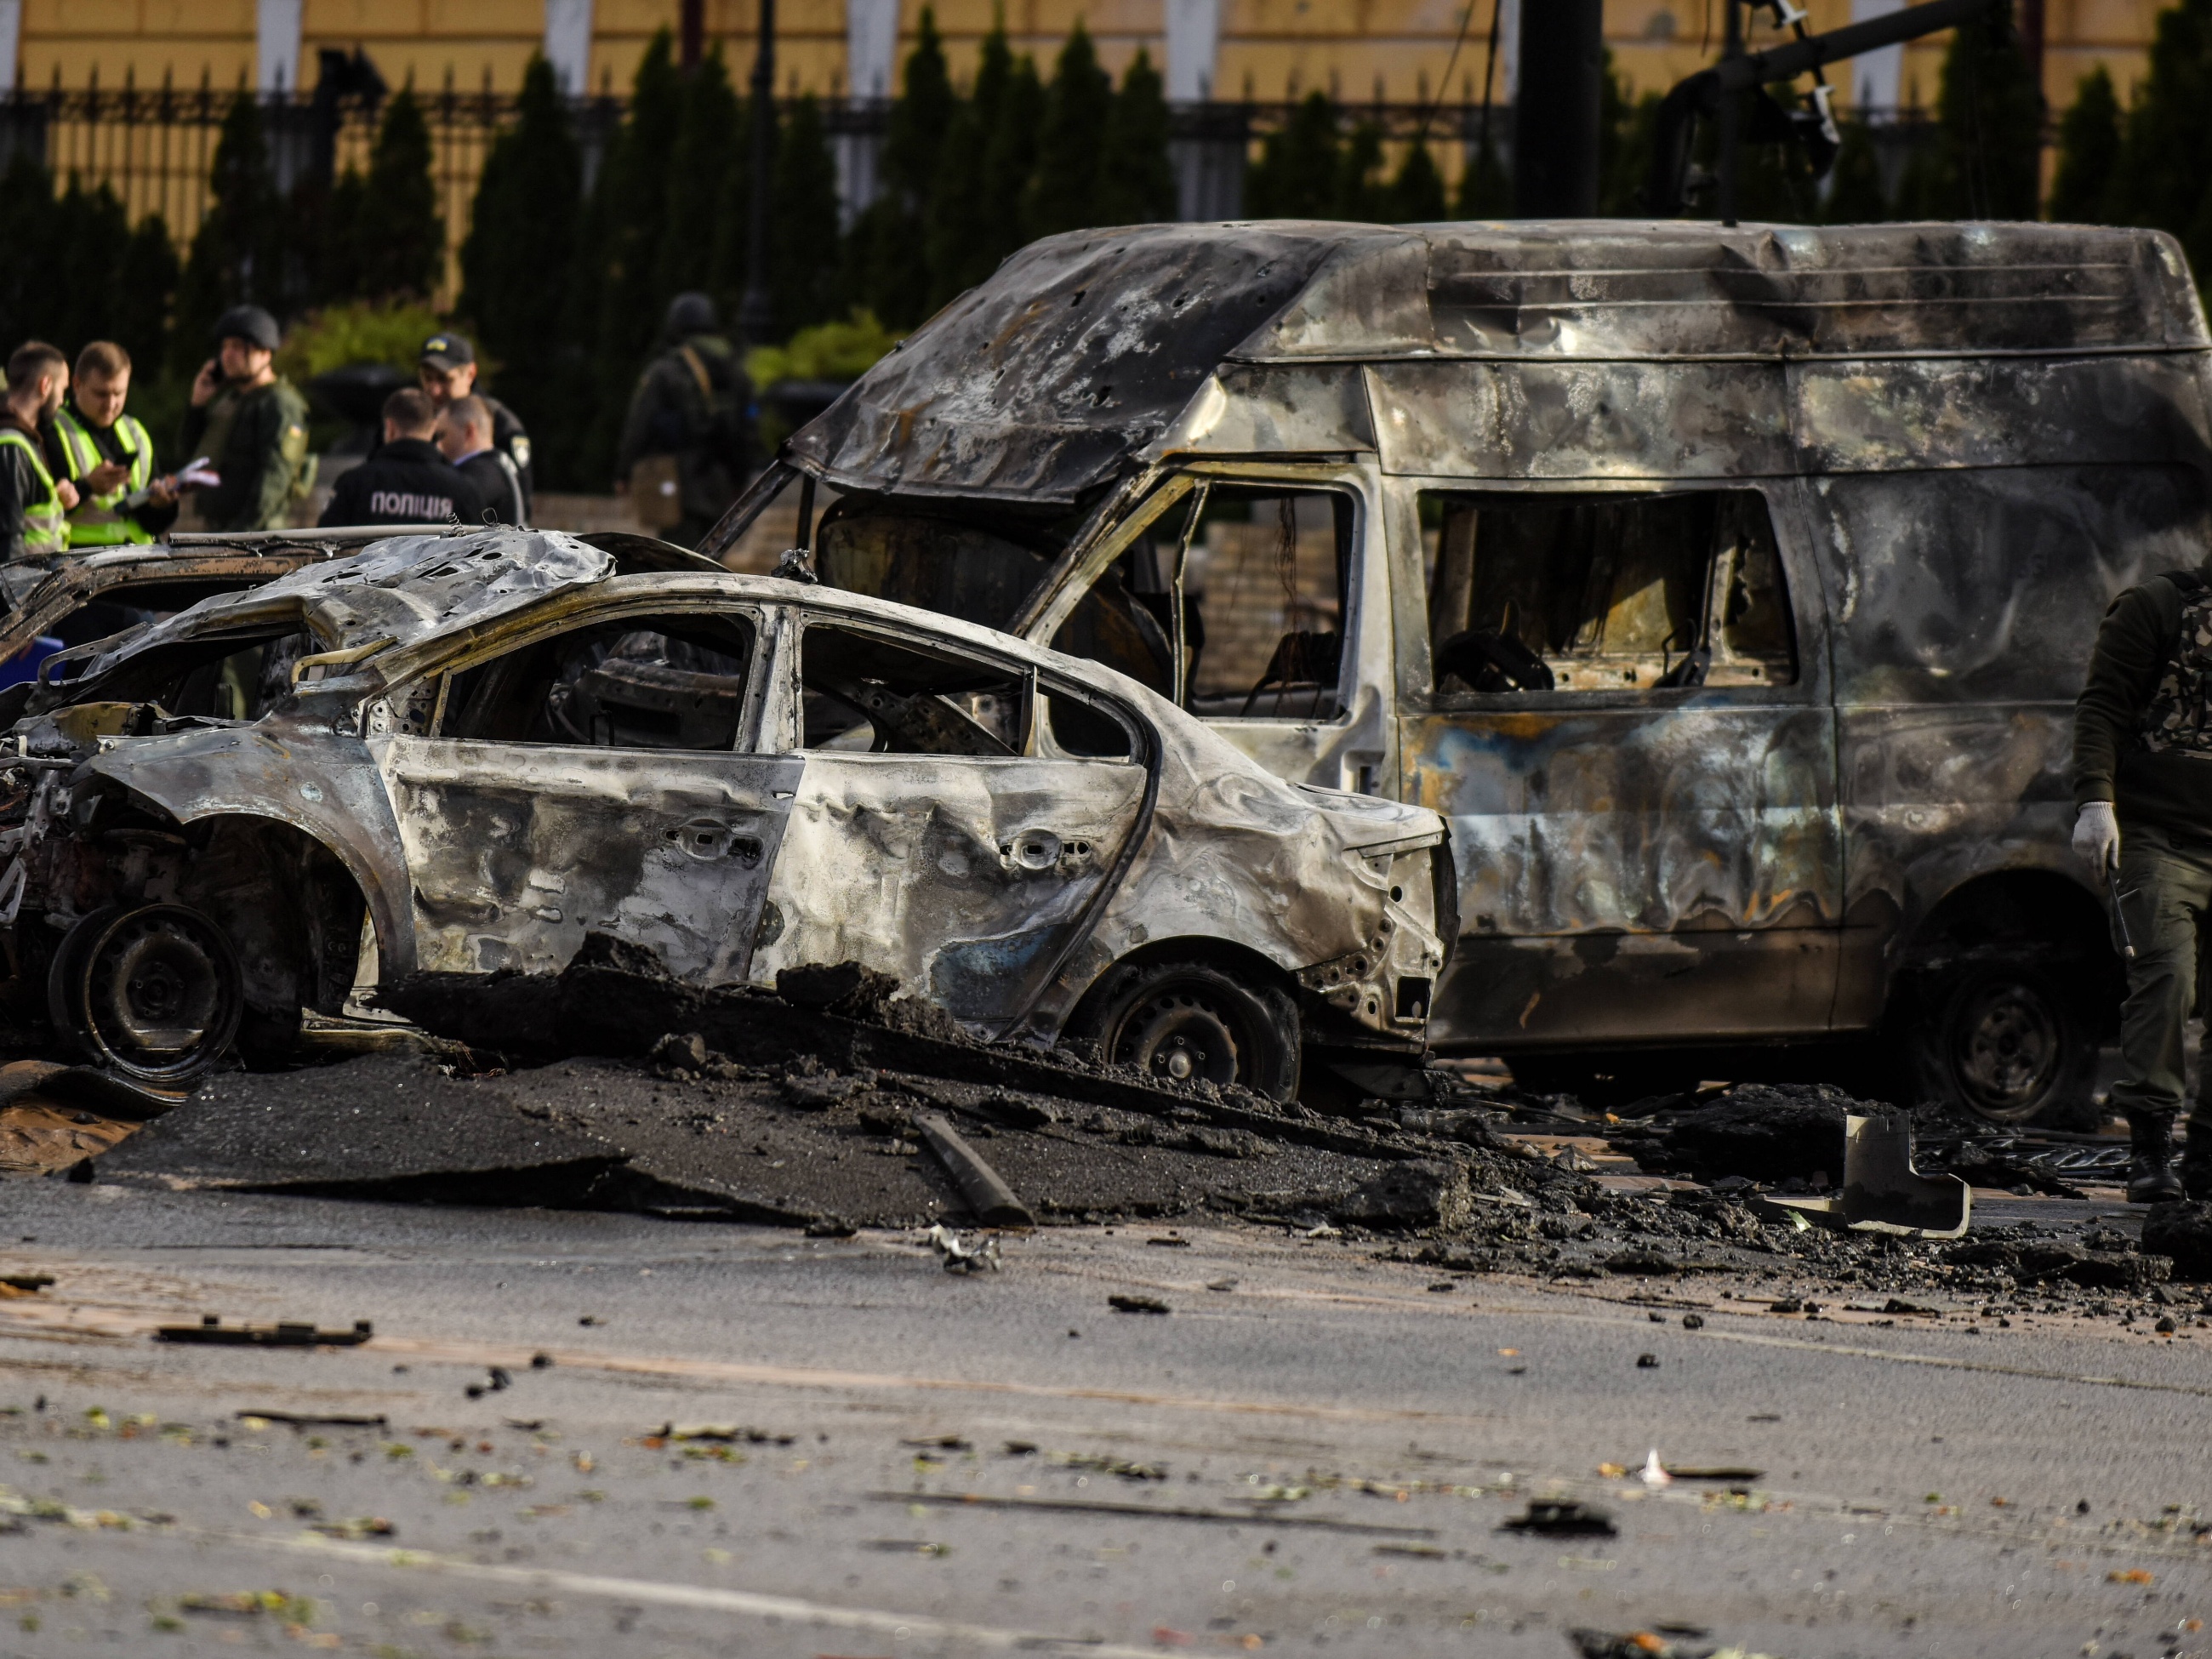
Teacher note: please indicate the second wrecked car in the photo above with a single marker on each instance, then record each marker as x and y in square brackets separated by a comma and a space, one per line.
[494, 743]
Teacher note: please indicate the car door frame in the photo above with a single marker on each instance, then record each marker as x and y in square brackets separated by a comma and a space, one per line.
[1037, 1010]
[1799, 974]
[753, 787]
[1356, 750]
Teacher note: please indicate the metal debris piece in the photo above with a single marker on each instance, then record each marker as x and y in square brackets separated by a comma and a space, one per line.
[988, 1199]
[960, 1257]
[285, 1333]
[316, 1419]
[1137, 1305]
[1563, 1517]
[1882, 1191]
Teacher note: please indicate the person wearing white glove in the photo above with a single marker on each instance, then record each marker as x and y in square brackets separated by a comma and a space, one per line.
[2142, 828]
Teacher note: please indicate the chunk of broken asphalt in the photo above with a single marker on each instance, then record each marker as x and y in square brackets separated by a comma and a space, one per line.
[2182, 1232]
[1563, 1517]
[1421, 1193]
[1136, 1304]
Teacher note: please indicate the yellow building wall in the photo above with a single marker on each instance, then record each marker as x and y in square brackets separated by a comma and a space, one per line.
[1270, 50]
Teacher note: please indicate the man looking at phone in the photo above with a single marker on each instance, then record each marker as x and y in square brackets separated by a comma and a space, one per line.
[251, 424]
[108, 456]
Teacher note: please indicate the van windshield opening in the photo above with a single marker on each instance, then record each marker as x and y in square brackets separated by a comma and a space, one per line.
[1605, 593]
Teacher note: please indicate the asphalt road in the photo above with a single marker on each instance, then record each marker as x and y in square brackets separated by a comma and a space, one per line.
[1313, 1451]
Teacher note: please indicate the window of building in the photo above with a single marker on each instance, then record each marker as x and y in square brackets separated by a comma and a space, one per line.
[1605, 593]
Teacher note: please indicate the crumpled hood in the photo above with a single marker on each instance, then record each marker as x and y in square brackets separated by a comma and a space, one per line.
[403, 590]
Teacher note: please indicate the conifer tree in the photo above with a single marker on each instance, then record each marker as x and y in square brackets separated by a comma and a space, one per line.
[1009, 158]
[147, 281]
[2088, 154]
[1296, 176]
[886, 270]
[30, 280]
[92, 234]
[698, 168]
[1986, 162]
[1485, 192]
[398, 239]
[1856, 194]
[234, 250]
[803, 220]
[630, 206]
[1136, 178]
[1416, 194]
[1063, 193]
[517, 259]
[2166, 158]
[958, 233]
[1360, 189]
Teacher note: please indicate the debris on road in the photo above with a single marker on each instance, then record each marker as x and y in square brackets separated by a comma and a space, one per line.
[1883, 1190]
[961, 1257]
[989, 1199]
[1563, 1517]
[285, 1333]
[1136, 1304]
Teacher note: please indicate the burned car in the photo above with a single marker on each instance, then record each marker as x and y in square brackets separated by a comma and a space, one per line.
[491, 745]
[1727, 588]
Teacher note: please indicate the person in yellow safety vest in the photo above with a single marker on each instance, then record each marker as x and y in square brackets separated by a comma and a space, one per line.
[108, 456]
[33, 504]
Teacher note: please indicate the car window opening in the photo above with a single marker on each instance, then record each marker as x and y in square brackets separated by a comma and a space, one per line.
[674, 681]
[1264, 588]
[1609, 592]
[867, 694]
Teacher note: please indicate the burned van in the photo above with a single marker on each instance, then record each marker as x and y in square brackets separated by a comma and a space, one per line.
[1728, 590]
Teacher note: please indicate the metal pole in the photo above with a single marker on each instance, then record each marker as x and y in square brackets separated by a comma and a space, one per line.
[757, 312]
[1730, 112]
[1555, 109]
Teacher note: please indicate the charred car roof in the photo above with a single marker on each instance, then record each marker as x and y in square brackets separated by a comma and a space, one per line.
[1044, 382]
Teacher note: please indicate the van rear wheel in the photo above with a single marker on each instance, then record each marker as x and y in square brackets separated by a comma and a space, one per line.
[2007, 1045]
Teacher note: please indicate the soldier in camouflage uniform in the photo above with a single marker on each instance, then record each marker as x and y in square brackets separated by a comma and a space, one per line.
[251, 424]
[2142, 791]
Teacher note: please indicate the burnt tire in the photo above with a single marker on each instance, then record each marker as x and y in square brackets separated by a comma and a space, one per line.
[1190, 1022]
[2007, 1044]
[154, 995]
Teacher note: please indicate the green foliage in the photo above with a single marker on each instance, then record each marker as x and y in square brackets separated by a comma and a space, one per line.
[2088, 154]
[517, 265]
[1856, 194]
[1416, 194]
[1064, 191]
[396, 240]
[234, 255]
[1298, 175]
[390, 332]
[1986, 161]
[1136, 184]
[803, 220]
[1485, 191]
[1359, 186]
[827, 351]
[697, 170]
[921, 118]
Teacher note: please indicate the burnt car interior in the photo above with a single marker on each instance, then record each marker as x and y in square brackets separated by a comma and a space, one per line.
[650, 682]
[1265, 581]
[867, 693]
[1605, 593]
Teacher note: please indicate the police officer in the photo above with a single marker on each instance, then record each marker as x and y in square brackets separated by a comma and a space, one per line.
[406, 481]
[447, 371]
[683, 453]
[108, 456]
[252, 423]
[465, 438]
[33, 503]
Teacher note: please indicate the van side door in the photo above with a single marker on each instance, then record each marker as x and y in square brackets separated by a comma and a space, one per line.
[1618, 694]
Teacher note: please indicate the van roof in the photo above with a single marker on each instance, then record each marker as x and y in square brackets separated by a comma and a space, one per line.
[1042, 383]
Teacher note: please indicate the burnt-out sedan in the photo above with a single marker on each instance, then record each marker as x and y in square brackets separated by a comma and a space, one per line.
[493, 744]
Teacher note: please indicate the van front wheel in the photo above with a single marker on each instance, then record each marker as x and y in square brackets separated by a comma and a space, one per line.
[2007, 1045]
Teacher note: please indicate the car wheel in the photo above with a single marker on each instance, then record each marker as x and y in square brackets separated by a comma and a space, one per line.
[2006, 1046]
[1186, 1022]
[154, 995]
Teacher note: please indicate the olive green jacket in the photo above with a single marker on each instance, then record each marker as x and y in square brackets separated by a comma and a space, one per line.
[257, 440]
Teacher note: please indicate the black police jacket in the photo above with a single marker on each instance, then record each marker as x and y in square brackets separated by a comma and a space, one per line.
[406, 482]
